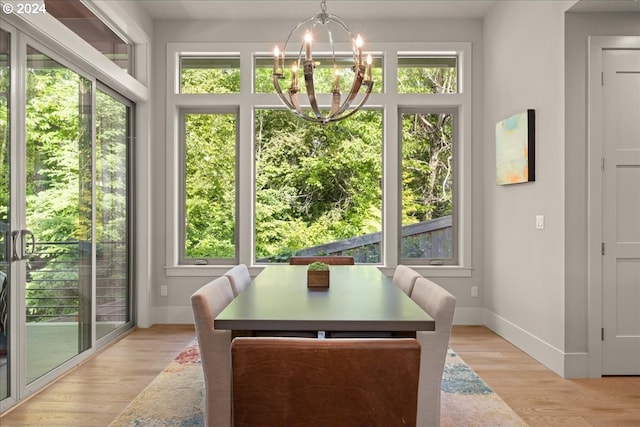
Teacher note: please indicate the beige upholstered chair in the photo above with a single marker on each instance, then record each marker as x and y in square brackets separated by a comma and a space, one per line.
[440, 305]
[214, 344]
[239, 278]
[405, 277]
[300, 382]
[328, 259]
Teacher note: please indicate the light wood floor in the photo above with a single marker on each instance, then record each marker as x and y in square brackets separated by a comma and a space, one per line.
[538, 395]
[96, 392]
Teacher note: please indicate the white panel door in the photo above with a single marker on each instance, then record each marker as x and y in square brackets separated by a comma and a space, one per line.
[621, 212]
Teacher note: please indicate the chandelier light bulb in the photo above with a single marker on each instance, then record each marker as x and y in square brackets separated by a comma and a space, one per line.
[307, 43]
[276, 57]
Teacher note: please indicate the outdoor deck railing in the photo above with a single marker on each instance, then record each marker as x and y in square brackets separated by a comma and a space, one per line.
[59, 278]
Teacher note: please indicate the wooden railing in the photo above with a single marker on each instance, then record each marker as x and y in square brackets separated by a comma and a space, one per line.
[429, 239]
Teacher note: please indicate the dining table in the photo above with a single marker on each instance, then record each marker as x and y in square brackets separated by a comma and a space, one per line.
[358, 298]
[360, 301]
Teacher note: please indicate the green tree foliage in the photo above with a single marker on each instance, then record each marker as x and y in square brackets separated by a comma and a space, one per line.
[427, 166]
[210, 163]
[111, 169]
[314, 184]
[58, 173]
[428, 75]
[210, 80]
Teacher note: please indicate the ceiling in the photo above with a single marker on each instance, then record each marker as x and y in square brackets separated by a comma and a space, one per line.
[348, 9]
[300, 9]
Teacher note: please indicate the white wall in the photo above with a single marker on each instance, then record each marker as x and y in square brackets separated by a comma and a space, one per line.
[524, 269]
[175, 308]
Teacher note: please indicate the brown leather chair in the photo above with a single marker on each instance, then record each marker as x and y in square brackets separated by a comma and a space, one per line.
[329, 259]
[335, 383]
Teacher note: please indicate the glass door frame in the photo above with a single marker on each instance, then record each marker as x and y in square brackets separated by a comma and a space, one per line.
[14, 269]
[97, 343]
[19, 389]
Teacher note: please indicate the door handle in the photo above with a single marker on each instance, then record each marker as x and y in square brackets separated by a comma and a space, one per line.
[14, 246]
[24, 234]
[6, 246]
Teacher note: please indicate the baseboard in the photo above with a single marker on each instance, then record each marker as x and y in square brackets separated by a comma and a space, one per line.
[576, 365]
[567, 365]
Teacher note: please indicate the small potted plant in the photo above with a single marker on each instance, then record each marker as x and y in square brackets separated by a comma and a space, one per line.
[318, 275]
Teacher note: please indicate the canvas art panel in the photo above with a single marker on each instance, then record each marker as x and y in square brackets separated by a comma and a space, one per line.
[515, 149]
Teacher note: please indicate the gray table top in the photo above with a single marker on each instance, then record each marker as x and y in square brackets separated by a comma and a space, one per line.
[359, 298]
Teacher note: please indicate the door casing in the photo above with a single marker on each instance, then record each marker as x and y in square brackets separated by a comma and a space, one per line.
[596, 44]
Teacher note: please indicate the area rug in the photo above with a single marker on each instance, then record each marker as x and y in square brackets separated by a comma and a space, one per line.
[175, 398]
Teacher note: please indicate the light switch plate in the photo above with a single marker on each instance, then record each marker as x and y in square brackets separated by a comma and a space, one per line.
[540, 222]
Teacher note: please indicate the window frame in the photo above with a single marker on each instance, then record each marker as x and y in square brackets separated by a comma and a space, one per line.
[389, 100]
[217, 57]
[103, 23]
[379, 110]
[432, 55]
[453, 261]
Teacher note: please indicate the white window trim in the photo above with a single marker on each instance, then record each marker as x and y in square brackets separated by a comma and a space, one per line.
[390, 103]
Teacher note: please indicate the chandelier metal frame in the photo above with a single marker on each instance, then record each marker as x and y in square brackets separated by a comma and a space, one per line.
[340, 109]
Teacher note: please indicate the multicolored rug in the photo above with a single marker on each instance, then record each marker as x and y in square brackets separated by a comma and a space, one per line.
[175, 397]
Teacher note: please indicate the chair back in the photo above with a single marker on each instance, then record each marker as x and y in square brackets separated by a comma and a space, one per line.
[328, 259]
[302, 382]
[405, 277]
[440, 305]
[207, 302]
[239, 278]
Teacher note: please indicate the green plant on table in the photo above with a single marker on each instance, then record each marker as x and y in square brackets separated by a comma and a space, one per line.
[318, 266]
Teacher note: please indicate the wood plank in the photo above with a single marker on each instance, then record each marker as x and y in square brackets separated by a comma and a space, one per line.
[538, 395]
[96, 392]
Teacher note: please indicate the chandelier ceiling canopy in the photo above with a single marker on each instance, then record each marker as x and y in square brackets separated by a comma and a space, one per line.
[314, 31]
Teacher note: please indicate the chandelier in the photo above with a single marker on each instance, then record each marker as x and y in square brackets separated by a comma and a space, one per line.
[321, 28]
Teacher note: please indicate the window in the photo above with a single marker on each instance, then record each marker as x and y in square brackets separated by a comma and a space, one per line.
[324, 72]
[427, 74]
[382, 186]
[209, 187]
[82, 21]
[428, 182]
[220, 74]
[318, 190]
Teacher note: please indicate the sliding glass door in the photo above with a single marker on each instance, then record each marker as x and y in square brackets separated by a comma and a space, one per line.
[65, 197]
[58, 214]
[113, 189]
